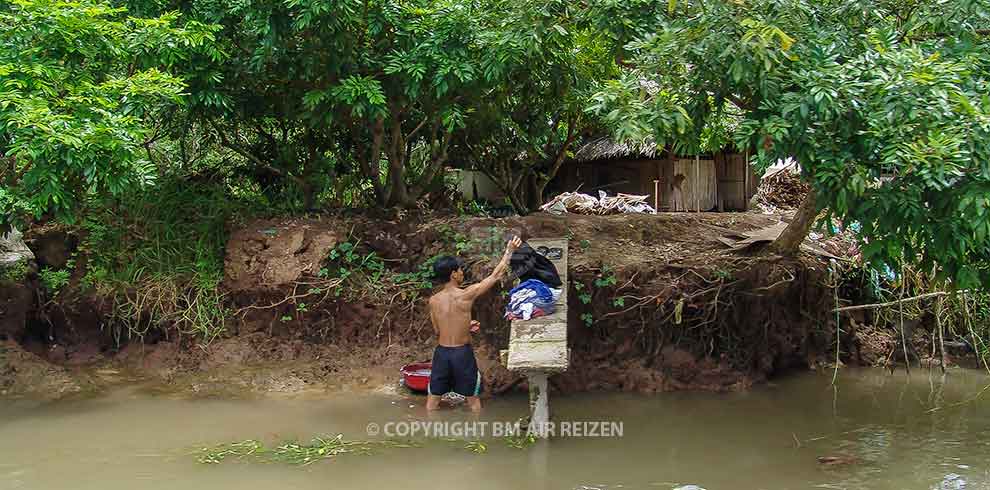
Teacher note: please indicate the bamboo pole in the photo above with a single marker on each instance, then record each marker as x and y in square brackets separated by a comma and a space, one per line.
[656, 196]
[745, 191]
[719, 198]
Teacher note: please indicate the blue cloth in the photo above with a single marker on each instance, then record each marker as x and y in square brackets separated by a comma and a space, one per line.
[531, 292]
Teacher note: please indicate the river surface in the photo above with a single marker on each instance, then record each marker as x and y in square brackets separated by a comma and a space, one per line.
[896, 431]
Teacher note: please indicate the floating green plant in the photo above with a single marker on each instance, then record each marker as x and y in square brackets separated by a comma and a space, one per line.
[295, 453]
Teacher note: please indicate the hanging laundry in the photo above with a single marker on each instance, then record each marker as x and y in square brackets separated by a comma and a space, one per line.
[526, 263]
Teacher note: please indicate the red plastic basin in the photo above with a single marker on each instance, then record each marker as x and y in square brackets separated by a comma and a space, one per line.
[416, 376]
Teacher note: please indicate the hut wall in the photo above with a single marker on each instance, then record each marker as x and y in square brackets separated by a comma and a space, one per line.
[753, 181]
[615, 177]
[570, 176]
[737, 182]
[689, 185]
[611, 176]
[681, 180]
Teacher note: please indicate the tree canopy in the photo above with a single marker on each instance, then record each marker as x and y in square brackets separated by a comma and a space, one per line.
[315, 89]
[882, 102]
[529, 123]
[79, 81]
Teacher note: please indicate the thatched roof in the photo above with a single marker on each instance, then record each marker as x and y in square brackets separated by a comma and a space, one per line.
[608, 149]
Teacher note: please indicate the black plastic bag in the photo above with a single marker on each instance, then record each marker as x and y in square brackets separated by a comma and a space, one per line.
[526, 263]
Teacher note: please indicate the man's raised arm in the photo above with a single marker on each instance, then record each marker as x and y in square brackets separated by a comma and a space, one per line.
[476, 290]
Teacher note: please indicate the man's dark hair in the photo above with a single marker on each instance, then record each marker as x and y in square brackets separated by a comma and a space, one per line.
[444, 267]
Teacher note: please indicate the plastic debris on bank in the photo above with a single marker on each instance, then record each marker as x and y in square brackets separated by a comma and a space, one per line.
[573, 202]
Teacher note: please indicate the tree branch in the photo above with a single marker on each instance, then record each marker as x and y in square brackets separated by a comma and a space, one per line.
[236, 148]
[562, 154]
[439, 159]
[250, 156]
[735, 99]
[12, 174]
[416, 129]
[903, 300]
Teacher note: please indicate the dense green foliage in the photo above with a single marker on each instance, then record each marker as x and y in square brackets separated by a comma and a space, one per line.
[314, 89]
[154, 122]
[883, 103]
[314, 93]
[79, 82]
[531, 121]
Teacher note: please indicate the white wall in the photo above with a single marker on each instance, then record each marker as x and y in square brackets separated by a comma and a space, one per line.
[469, 180]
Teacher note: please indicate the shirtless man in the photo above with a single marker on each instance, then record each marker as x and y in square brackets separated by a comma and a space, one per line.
[454, 367]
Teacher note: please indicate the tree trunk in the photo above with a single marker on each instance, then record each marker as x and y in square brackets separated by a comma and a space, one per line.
[306, 185]
[789, 241]
[521, 192]
[432, 176]
[534, 194]
[370, 162]
[398, 193]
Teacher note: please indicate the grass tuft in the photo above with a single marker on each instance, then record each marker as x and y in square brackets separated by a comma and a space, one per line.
[158, 258]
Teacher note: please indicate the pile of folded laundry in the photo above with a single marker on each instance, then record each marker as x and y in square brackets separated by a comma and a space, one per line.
[540, 286]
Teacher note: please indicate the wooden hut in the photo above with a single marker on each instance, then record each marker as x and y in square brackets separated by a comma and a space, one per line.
[714, 182]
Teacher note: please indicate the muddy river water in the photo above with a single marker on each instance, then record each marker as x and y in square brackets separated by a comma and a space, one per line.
[876, 430]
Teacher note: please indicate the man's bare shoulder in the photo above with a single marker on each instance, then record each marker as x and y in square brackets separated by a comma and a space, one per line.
[450, 298]
[440, 297]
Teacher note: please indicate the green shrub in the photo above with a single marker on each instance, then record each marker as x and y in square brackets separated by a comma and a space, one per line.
[54, 280]
[15, 273]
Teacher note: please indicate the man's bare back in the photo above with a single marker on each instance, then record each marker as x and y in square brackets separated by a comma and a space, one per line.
[454, 367]
[450, 310]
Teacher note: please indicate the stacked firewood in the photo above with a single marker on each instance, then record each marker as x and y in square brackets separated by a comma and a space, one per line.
[782, 189]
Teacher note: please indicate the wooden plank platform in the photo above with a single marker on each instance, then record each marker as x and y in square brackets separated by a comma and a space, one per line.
[540, 344]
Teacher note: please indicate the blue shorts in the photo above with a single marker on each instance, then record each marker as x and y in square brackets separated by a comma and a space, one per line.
[454, 369]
